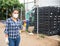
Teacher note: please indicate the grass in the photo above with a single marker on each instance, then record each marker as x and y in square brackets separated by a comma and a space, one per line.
[42, 35]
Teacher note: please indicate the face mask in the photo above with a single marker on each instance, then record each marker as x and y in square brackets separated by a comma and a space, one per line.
[15, 15]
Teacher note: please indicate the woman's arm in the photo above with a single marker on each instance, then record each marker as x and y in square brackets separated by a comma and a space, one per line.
[6, 32]
[6, 29]
[6, 35]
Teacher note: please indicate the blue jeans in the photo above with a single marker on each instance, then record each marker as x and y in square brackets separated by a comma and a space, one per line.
[14, 42]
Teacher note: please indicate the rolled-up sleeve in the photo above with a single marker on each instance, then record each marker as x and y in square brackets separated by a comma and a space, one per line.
[6, 27]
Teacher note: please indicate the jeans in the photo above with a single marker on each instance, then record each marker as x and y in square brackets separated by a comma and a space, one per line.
[14, 42]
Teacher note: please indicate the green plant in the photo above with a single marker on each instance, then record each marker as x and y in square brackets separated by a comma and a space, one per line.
[6, 6]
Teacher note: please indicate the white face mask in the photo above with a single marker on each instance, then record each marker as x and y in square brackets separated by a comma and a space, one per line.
[15, 15]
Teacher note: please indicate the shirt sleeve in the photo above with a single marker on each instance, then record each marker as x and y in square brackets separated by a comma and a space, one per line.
[6, 28]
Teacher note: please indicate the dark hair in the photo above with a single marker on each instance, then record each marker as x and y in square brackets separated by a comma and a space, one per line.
[14, 10]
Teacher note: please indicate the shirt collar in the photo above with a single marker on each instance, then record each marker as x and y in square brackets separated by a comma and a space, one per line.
[14, 21]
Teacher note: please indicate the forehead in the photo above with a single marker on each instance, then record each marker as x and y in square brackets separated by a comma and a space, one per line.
[15, 11]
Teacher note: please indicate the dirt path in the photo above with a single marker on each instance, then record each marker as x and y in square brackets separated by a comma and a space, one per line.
[28, 40]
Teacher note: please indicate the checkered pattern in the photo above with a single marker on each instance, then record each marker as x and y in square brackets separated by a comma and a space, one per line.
[12, 28]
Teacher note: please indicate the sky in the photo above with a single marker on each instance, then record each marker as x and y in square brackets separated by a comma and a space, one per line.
[28, 6]
[41, 3]
[49, 3]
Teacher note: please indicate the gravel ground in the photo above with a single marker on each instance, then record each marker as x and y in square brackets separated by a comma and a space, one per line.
[29, 40]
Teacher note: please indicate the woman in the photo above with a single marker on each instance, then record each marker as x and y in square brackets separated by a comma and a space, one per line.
[13, 25]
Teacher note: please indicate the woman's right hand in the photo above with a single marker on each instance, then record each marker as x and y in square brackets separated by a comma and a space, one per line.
[6, 38]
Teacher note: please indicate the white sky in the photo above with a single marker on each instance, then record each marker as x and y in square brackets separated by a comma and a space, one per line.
[42, 3]
[29, 6]
[25, 1]
[49, 3]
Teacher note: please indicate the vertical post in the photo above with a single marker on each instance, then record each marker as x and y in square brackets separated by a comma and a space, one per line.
[34, 2]
[13, 7]
[24, 7]
[37, 21]
[7, 13]
[27, 5]
[21, 13]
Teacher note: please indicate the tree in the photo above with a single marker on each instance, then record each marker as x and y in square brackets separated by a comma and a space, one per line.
[8, 6]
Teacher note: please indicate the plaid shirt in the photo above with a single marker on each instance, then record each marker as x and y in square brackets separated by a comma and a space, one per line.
[12, 28]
